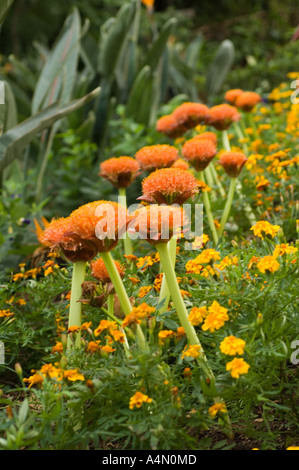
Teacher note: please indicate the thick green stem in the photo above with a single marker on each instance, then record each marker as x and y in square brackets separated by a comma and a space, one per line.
[189, 329]
[227, 206]
[126, 239]
[111, 303]
[239, 190]
[164, 291]
[75, 312]
[216, 179]
[210, 181]
[122, 294]
[208, 210]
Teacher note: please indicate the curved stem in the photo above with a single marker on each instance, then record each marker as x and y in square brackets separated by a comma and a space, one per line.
[227, 206]
[75, 312]
[210, 217]
[122, 294]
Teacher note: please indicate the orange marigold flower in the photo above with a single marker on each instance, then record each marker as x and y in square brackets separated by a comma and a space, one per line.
[99, 270]
[199, 152]
[232, 95]
[247, 100]
[164, 334]
[169, 186]
[232, 162]
[217, 408]
[158, 223]
[35, 379]
[105, 325]
[73, 375]
[169, 126]
[191, 114]
[222, 116]
[121, 171]
[192, 350]
[154, 157]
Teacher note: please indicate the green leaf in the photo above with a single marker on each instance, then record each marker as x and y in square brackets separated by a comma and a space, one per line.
[59, 72]
[15, 140]
[8, 110]
[114, 37]
[219, 67]
[158, 48]
[4, 7]
[137, 92]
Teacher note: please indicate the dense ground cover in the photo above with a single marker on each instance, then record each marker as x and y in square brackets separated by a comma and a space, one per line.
[137, 376]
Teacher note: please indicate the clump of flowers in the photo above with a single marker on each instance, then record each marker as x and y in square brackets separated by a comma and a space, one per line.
[121, 171]
[232, 162]
[222, 116]
[268, 264]
[154, 157]
[169, 186]
[199, 152]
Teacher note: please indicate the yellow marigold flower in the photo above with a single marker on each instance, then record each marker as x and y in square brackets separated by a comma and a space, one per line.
[180, 333]
[292, 448]
[138, 399]
[6, 313]
[18, 276]
[143, 310]
[107, 349]
[268, 263]
[164, 334]
[227, 261]
[144, 290]
[93, 346]
[232, 346]
[197, 315]
[237, 367]
[216, 317]
[105, 325]
[48, 370]
[58, 347]
[145, 262]
[118, 336]
[134, 280]
[263, 227]
[192, 267]
[217, 408]
[73, 375]
[200, 241]
[208, 255]
[284, 249]
[192, 350]
[35, 379]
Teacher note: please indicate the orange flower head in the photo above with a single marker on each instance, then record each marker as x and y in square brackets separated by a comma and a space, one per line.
[180, 163]
[99, 224]
[99, 270]
[121, 171]
[169, 126]
[222, 116]
[232, 162]
[232, 95]
[154, 157]
[158, 223]
[207, 136]
[191, 114]
[247, 100]
[57, 235]
[169, 186]
[199, 152]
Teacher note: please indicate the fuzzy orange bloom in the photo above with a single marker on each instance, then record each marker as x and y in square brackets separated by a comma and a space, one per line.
[247, 100]
[99, 223]
[121, 171]
[181, 164]
[154, 157]
[169, 186]
[169, 126]
[199, 152]
[232, 95]
[158, 223]
[191, 114]
[222, 116]
[232, 162]
[99, 270]
[207, 136]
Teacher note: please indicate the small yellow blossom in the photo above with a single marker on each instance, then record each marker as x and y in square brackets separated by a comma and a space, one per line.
[138, 399]
[237, 367]
[268, 263]
[197, 315]
[232, 346]
[192, 350]
[164, 334]
[263, 227]
[217, 408]
[144, 290]
[73, 375]
[216, 317]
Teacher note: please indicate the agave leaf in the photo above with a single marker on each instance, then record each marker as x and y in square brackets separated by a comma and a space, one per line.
[219, 67]
[4, 7]
[156, 51]
[8, 110]
[16, 139]
[63, 56]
